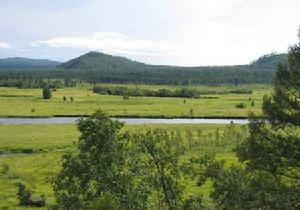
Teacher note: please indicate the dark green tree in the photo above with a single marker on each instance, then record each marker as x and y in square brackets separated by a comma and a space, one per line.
[47, 93]
[269, 177]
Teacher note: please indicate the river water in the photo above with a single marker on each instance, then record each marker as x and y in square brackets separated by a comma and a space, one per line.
[132, 121]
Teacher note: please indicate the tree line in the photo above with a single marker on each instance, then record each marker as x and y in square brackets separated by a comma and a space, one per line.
[163, 92]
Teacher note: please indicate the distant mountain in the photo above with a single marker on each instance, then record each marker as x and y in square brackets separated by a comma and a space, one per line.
[96, 67]
[25, 63]
[101, 61]
[100, 67]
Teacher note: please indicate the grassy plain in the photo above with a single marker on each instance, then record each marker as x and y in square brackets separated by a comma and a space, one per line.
[29, 102]
[49, 142]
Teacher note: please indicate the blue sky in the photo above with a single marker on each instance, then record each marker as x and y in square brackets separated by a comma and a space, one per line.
[175, 32]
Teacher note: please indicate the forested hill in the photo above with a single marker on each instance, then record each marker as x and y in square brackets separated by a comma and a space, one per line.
[25, 63]
[100, 61]
[270, 61]
[99, 67]
[95, 67]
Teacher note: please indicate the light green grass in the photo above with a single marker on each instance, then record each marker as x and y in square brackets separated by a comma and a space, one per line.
[51, 141]
[28, 102]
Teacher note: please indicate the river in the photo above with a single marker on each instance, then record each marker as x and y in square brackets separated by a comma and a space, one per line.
[132, 121]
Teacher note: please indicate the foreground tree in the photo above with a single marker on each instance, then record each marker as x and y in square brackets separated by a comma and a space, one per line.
[269, 174]
[114, 169]
[98, 174]
[161, 153]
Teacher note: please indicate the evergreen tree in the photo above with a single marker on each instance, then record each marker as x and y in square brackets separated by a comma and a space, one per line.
[270, 176]
[47, 93]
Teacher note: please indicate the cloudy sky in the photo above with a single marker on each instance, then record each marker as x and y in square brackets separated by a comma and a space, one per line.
[176, 32]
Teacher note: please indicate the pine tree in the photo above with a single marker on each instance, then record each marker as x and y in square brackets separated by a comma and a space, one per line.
[47, 93]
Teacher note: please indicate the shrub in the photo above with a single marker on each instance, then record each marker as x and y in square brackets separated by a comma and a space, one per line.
[240, 106]
[25, 197]
[126, 97]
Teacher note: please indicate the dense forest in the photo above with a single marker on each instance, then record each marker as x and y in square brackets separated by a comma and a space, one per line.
[95, 67]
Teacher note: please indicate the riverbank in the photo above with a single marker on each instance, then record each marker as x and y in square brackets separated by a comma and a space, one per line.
[130, 116]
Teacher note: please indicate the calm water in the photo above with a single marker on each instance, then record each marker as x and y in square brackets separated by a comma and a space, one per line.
[133, 121]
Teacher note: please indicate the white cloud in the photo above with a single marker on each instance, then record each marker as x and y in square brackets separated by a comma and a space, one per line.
[222, 32]
[4, 45]
[176, 32]
[111, 42]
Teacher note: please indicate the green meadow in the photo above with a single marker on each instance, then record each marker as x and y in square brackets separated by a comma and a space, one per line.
[45, 144]
[29, 102]
[31, 154]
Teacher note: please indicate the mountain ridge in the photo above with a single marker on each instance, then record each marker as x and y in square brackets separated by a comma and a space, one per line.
[94, 59]
[23, 63]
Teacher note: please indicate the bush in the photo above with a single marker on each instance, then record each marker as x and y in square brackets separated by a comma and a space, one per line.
[25, 197]
[240, 106]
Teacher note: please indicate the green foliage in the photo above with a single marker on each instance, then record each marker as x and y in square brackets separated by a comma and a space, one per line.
[47, 92]
[161, 153]
[105, 202]
[122, 170]
[98, 168]
[270, 176]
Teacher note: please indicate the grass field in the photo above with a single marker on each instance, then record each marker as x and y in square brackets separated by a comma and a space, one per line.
[49, 142]
[29, 102]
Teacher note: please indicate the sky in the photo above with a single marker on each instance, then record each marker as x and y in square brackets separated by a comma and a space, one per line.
[169, 32]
